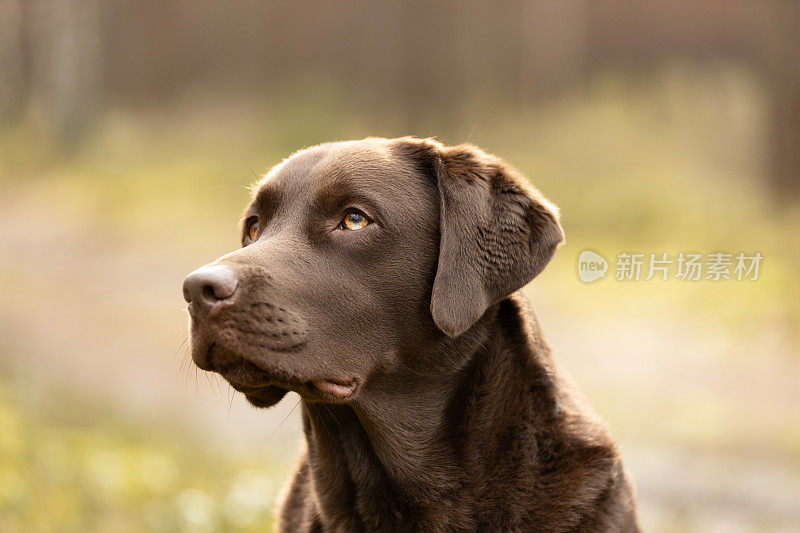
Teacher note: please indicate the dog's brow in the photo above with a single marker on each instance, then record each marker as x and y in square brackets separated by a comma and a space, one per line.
[267, 198]
[335, 195]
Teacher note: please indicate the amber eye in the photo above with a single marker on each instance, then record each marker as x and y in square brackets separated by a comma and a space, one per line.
[252, 230]
[354, 220]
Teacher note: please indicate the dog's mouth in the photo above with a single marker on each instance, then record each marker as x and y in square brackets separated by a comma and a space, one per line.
[265, 388]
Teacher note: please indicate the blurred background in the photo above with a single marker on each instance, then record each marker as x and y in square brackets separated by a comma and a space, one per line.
[129, 131]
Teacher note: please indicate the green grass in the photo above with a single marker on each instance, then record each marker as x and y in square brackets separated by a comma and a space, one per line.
[65, 465]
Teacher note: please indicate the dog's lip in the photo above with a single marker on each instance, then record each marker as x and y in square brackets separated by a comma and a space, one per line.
[338, 387]
[235, 373]
[247, 387]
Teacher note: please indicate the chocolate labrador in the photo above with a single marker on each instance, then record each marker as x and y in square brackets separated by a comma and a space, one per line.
[380, 280]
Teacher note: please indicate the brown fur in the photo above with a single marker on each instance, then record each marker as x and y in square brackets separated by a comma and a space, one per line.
[455, 418]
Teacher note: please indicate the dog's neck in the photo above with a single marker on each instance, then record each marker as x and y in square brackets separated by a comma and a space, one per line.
[408, 447]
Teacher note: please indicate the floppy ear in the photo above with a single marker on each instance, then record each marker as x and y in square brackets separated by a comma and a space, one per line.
[496, 234]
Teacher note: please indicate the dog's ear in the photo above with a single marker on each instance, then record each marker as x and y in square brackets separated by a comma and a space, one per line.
[497, 233]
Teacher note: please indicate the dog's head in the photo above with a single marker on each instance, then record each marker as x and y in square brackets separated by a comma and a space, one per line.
[357, 256]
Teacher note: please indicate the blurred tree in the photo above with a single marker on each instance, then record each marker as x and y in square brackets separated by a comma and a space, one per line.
[778, 57]
[553, 37]
[12, 86]
[429, 62]
[65, 64]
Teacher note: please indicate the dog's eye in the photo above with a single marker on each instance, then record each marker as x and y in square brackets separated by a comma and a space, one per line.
[354, 220]
[252, 230]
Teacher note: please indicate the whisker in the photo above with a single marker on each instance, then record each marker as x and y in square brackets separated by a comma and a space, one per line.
[322, 421]
[217, 381]
[224, 187]
[187, 369]
[284, 420]
[332, 415]
[209, 381]
[185, 338]
[249, 168]
[412, 370]
[471, 132]
[182, 367]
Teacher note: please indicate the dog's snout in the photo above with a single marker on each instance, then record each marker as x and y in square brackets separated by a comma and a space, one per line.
[210, 287]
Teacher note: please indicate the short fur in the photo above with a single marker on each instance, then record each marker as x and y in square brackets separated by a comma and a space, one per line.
[456, 419]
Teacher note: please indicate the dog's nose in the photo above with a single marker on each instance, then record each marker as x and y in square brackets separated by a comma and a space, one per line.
[210, 288]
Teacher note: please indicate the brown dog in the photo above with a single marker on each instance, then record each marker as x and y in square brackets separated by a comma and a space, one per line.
[380, 279]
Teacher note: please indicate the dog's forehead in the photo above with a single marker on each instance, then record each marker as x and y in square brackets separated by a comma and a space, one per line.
[328, 166]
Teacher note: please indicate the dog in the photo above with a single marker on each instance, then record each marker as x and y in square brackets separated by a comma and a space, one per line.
[380, 280]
